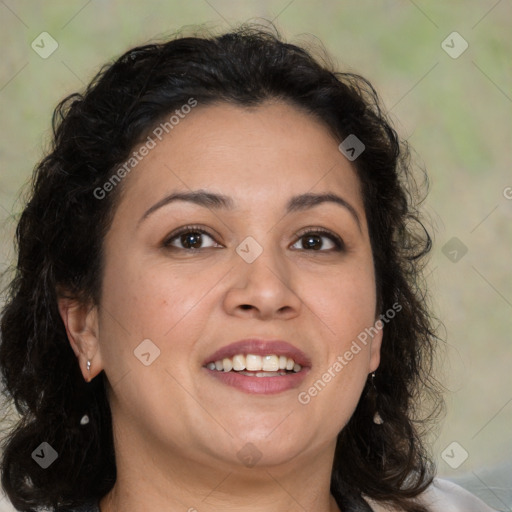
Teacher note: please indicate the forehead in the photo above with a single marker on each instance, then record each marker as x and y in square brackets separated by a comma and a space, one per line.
[260, 155]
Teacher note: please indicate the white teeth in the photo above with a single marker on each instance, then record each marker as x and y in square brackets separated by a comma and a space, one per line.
[239, 362]
[267, 366]
[270, 363]
[253, 362]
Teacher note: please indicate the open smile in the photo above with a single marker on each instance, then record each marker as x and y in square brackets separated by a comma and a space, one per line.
[257, 366]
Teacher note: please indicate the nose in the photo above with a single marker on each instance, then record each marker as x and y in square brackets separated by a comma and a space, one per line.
[263, 289]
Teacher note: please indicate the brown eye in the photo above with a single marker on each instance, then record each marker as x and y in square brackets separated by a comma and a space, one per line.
[312, 242]
[315, 241]
[190, 239]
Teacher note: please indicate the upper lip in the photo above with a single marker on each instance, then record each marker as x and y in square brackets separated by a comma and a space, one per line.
[260, 347]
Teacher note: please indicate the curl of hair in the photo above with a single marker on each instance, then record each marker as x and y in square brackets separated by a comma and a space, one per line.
[59, 241]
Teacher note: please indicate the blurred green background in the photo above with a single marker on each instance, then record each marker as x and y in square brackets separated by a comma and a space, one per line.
[455, 112]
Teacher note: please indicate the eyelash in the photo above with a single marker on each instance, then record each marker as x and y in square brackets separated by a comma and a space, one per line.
[339, 245]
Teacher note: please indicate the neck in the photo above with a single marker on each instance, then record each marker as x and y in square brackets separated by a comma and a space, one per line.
[230, 493]
[150, 479]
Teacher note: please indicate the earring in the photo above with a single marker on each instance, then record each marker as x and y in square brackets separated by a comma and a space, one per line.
[85, 419]
[377, 419]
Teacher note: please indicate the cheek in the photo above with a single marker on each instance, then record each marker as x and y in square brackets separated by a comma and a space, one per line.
[344, 310]
[344, 300]
[144, 300]
[145, 296]
[171, 308]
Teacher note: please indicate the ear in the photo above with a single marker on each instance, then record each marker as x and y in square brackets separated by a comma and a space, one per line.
[81, 322]
[376, 343]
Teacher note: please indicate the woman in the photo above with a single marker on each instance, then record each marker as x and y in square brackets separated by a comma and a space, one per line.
[217, 303]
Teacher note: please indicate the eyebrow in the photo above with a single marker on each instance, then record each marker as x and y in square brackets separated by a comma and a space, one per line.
[217, 201]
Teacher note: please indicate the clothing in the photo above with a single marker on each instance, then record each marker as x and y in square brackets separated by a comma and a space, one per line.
[441, 496]
[445, 496]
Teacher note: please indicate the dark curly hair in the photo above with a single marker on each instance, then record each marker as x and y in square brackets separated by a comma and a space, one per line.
[59, 240]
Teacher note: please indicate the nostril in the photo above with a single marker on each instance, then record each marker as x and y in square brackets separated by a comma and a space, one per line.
[246, 306]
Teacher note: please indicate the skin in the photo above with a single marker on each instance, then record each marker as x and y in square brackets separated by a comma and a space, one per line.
[177, 430]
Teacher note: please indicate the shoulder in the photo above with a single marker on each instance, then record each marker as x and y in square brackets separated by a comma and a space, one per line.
[444, 496]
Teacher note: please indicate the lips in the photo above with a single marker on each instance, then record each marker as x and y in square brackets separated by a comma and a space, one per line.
[251, 372]
[260, 348]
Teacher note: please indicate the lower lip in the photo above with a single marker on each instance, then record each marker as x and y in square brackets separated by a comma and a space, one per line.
[260, 385]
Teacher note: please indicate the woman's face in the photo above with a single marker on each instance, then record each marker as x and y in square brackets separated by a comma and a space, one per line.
[250, 268]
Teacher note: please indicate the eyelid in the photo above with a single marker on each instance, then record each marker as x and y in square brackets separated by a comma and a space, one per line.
[185, 229]
[317, 230]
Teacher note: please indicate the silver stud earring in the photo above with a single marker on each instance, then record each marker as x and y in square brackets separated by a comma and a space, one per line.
[88, 365]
